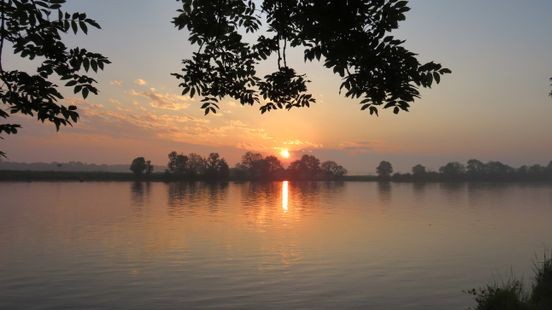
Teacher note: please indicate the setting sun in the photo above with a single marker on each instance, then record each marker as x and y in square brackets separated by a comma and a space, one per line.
[284, 153]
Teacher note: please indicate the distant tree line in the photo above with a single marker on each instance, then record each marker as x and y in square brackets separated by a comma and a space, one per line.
[473, 170]
[253, 166]
[195, 167]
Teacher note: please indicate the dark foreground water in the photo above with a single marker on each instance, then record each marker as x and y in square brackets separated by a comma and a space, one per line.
[275, 245]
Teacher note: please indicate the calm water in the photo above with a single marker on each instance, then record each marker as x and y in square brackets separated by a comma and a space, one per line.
[275, 245]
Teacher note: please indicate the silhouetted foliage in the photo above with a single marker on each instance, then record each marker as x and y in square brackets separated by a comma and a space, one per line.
[216, 167]
[541, 295]
[177, 163]
[138, 166]
[384, 170]
[254, 166]
[308, 167]
[476, 170]
[141, 166]
[33, 30]
[331, 170]
[194, 166]
[452, 170]
[511, 295]
[419, 171]
[550, 94]
[353, 38]
[273, 168]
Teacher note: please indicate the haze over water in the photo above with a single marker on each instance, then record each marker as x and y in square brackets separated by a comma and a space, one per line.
[286, 245]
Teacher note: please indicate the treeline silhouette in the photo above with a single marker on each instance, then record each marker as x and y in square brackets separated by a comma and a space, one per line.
[473, 170]
[253, 166]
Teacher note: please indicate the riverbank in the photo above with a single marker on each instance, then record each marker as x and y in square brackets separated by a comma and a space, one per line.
[53, 176]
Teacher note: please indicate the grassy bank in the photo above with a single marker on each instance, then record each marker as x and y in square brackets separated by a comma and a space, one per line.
[511, 295]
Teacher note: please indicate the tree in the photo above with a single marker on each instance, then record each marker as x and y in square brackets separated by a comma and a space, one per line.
[353, 38]
[452, 170]
[331, 170]
[138, 166]
[178, 163]
[253, 165]
[273, 168]
[475, 168]
[308, 167]
[550, 94]
[419, 171]
[384, 169]
[149, 167]
[216, 167]
[196, 165]
[33, 30]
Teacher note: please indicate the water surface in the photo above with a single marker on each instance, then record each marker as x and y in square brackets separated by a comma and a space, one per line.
[264, 245]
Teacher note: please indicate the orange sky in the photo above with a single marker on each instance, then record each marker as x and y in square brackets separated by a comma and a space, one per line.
[493, 107]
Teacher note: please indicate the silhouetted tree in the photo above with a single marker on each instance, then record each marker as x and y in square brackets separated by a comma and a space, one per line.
[331, 170]
[452, 170]
[216, 167]
[537, 171]
[196, 165]
[178, 164]
[149, 167]
[496, 169]
[34, 30]
[138, 165]
[308, 167]
[353, 37]
[475, 168]
[273, 168]
[253, 165]
[419, 171]
[384, 170]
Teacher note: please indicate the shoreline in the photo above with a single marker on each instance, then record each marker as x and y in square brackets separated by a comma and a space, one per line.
[99, 176]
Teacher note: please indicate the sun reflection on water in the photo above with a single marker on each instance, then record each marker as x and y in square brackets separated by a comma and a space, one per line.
[285, 192]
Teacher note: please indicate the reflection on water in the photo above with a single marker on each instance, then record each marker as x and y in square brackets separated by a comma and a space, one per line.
[384, 192]
[186, 197]
[140, 191]
[285, 193]
[275, 244]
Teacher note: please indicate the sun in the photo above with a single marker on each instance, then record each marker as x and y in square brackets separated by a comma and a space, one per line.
[284, 153]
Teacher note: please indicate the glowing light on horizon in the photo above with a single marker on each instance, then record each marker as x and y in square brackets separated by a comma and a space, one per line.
[285, 153]
[285, 193]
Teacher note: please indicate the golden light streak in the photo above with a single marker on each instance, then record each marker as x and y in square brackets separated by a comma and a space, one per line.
[285, 193]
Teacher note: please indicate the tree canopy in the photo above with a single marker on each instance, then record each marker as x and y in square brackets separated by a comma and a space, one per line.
[32, 30]
[384, 170]
[140, 166]
[352, 38]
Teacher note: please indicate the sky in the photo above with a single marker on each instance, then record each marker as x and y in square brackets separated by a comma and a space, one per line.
[494, 106]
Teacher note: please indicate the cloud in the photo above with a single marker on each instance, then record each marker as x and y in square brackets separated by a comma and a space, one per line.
[165, 101]
[365, 146]
[302, 144]
[117, 83]
[128, 121]
[140, 82]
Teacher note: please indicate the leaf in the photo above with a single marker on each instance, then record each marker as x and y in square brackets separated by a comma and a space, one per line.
[74, 26]
[437, 77]
[83, 27]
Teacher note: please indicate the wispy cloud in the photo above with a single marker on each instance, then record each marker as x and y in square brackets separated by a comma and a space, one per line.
[161, 100]
[365, 146]
[140, 82]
